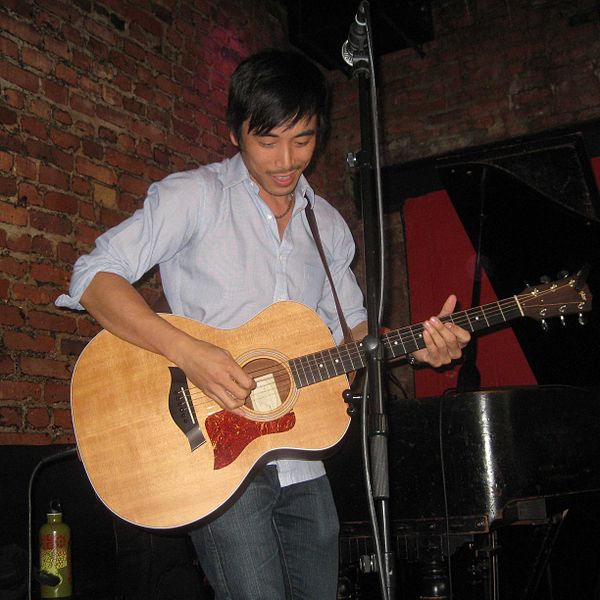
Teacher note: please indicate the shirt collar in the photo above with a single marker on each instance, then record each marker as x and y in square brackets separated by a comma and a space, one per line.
[234, 173]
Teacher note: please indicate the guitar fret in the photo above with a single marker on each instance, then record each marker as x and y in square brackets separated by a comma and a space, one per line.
[394, 345]
[482, 311]
[466, 313]
[501, 311]
[304, 364]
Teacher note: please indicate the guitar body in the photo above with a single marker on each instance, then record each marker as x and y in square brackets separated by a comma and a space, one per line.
[140, 461]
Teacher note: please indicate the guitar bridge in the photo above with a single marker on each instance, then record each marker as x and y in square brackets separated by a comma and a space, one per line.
[182, 409]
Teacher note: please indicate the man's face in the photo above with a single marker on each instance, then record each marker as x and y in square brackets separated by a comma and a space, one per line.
[276, 160]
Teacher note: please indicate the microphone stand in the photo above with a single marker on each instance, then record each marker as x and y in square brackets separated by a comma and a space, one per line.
[366, 163]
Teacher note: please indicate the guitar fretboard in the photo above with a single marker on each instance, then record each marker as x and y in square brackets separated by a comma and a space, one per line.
[323, 365]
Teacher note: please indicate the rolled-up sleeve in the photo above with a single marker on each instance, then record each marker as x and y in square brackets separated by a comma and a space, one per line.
[153, 234]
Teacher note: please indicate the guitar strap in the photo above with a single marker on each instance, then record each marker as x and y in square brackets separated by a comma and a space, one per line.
[312, 222]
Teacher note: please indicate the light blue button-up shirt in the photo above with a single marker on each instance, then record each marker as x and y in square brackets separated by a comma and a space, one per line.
[222, 261]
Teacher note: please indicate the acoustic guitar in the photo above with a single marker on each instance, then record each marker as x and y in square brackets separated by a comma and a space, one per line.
[161, 454]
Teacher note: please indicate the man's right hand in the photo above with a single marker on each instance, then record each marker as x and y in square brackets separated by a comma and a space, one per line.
[213, 370]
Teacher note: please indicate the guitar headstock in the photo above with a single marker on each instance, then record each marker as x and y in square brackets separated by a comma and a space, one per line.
[566, 296]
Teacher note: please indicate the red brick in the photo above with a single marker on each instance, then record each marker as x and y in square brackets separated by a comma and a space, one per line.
[8, 48]
[7, 116]
[14, 98]
[67, 74]
[37, 149]
[62, 418]
[83, 64]
[109, 218]
[88, 328]
[82, 105]
[98, 172]
[15, 340]
[133, 185]
[63, 437]
[49, 273]
[81, 186]
[7, 366]
[8, 186]
[27, 168]
[126, 163]
[37, 295]
[37, 417]
[69, 347]
[50, 223]
[100, 31]
[22, 31]
[159, 63]
[114, 116]
[85, 234]
[84, 128]
[66, 253]
[62, 116]
[65, 140]
[62, 203]
[4, 286]
[104, 133]
[45, 367]
[10, 416]
[56, 92]
[122, 62]
[12, 214]
[25, 439]
[144, 148]
[87, 210]
[21, 78]
[92, 149]
[35, 127]
[19, 243]
[37, 60]
[55, 393]
[29, 195]
[43, 246]
[144, 91]
[12, 266]
[50, 322]
[58, 47]
[11, 315]
[123, 82]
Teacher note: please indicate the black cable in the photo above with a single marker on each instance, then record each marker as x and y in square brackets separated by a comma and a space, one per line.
[445, 495]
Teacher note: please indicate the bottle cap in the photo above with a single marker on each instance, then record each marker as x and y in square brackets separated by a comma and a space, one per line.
[55, 507]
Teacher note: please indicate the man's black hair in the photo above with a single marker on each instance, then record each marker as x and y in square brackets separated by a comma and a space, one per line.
[275, 88]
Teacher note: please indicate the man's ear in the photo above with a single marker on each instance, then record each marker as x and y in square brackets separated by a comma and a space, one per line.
[234, 139]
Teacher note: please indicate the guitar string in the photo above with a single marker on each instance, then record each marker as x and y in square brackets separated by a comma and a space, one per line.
[406, 335]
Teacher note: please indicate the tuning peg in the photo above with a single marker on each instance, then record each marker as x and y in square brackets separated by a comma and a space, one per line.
[544, 325]
[582, 319]
[562, 274]
[545, 279]
[563, 322]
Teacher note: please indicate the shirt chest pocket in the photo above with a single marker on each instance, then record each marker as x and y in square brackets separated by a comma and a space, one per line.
[312, 291]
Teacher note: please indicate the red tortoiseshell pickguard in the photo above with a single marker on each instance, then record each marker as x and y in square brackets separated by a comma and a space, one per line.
[230, 434]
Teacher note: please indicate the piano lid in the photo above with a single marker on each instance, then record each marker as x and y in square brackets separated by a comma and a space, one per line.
[541, 215]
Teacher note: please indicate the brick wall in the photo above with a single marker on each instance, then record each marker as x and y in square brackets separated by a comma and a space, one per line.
[97, 99]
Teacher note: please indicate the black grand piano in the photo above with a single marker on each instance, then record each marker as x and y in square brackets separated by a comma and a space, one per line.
[491, 488]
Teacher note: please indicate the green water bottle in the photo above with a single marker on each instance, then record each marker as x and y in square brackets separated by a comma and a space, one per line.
[55, 554]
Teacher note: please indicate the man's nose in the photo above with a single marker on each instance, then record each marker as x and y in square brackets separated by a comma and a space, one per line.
[285, 157]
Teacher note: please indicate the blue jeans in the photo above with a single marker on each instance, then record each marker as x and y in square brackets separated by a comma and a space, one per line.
[273, 543]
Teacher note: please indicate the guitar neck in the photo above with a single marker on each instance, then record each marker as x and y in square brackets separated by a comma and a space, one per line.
[313, 368]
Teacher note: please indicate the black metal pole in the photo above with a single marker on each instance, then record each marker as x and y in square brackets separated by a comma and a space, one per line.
[378, 422]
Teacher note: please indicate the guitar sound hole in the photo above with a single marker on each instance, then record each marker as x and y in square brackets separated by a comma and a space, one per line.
[272, 385]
